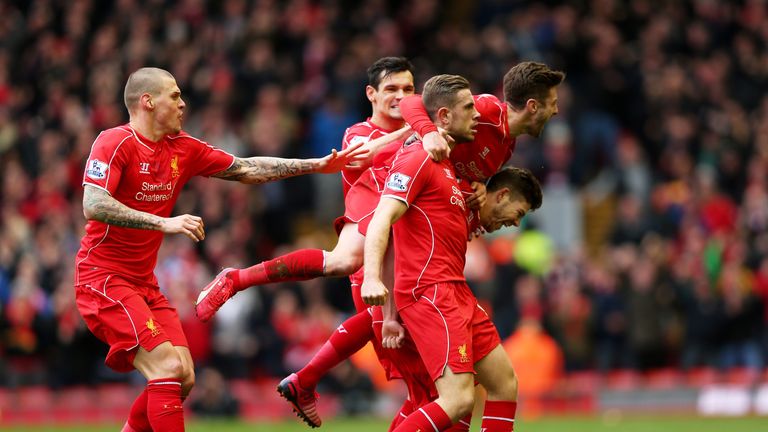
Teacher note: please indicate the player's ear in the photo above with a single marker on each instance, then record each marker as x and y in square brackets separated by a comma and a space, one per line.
[443, 116]
[532, 105]
[502, 194]
[370, 92]
[146, 101]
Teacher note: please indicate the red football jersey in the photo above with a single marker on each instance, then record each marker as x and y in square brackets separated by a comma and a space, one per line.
[364, 132]
[146, 176]
[493, 146]
[431, 237]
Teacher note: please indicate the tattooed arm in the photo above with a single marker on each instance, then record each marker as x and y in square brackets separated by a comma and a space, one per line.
[99, 205]
[256, 170]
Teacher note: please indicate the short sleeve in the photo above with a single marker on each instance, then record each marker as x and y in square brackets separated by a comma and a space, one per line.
[408, 176]
[107, 160]
[210, 160]
[490, 109]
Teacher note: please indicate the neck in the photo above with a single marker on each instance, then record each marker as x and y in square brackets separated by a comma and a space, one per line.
[516, 120]
[387, 123]
[145, 127]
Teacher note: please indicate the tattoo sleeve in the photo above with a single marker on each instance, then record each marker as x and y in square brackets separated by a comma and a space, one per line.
[99, 205]
[257, 170]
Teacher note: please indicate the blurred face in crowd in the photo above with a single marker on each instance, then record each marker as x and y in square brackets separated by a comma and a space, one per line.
[386, 98]
[542, 111]
[462, 117]
[168, 107]
[503, 208]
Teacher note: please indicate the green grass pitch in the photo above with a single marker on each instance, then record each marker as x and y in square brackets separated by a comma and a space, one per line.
[548, 424]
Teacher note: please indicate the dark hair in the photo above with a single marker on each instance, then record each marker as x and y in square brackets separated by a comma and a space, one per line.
[440, 91]
[519, 181]
[529, 80]
[385, 67]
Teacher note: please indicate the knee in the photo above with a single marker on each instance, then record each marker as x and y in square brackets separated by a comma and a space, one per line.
[171, 366]
[342, 263]
[188, 381]
[464, 402]
[505, 388]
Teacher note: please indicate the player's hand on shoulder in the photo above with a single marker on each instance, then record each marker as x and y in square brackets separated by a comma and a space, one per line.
[373, 292]
[436, 144]
[392, 334]
[189, 225]
[478, 198]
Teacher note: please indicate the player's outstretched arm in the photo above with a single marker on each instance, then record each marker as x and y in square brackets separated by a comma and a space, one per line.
[374, 146]
[99, 205]
[387, 213]
[255, 170]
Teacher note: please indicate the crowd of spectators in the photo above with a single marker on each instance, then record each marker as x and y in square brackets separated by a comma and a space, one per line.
[651, 249]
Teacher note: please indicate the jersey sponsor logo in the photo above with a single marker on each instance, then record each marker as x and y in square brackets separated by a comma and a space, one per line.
[463, 357]
[153, 328]
[143, 167]
[470, 172]
[97, 169]
[456, 198]
[398, 182]
[155, 192]
[175, 166]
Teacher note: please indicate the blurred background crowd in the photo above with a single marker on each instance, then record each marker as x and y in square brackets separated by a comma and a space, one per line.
[650, 251]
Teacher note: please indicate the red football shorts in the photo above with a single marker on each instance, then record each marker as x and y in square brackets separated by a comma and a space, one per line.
[421, 388]
[362, 199]
[127, 316]
[356, 282]
[382, 354]
[449, 328]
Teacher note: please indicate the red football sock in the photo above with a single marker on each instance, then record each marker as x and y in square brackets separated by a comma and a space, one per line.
[349, 338]
[300, 265]
[402, 414]
[499, 416]
[462, 425]
[137, 418]
[427, 418]
[164, 405]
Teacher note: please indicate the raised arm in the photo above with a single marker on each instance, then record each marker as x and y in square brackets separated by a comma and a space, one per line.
[255, 170]
[99, 205]
[435, 142]
[387, 213]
